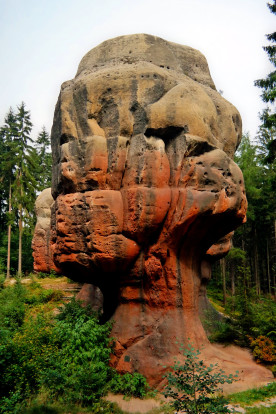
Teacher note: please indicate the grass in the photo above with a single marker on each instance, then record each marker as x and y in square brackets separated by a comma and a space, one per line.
[262, 410]
[102, 407]
[164, 409]
[219, 307]
[253, 395]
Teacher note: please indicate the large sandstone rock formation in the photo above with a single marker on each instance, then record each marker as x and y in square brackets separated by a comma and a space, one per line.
[41, 244]
[145, 188]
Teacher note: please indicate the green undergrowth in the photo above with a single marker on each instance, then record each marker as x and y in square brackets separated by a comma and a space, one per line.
[242, 319]
[58, 362]
[61, 358]
[253, 395]
[100, 407]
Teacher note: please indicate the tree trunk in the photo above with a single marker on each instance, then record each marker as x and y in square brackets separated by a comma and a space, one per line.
[9, 239]
[223, 272]
[233, 286]
[273, 273]
[20, 226]
[256, 264]
[268, 268]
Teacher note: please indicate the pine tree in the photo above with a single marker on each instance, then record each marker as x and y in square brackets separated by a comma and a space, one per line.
[266, 137]
[44, 170]
[256, 237]
[8, 135]
[24, 187]
[268, 84]
[267, 145]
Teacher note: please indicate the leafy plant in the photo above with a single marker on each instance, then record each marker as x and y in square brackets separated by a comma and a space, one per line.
[64, 358]
[192, 385]
[129, 384]
[263, 349]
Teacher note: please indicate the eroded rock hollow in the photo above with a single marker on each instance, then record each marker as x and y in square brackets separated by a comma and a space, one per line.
[145, 191]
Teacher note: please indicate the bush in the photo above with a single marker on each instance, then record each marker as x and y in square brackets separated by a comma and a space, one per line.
[129, 384]
[12, 308]
[65, 358]
[80, 372]
[2, 281]
[220, 330]
[191, 386]
[263, 349]
[51, 275]
[22, 359]
[44, 296]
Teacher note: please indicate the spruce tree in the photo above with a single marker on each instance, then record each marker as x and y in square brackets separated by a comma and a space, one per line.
[24, 187]
[268, 84]
[44, 170]
[8, 135]
[267, 142]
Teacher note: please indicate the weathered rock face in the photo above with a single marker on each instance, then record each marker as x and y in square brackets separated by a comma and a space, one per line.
[145, 187]
[41, 244]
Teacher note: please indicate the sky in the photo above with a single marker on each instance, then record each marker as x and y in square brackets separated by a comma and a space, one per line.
[43, 41]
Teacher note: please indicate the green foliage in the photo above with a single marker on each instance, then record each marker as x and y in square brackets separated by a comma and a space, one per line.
[25, 168]
[268, 84]
[192, 385]
[2, 281]
[80, 373]
[51, 275]
[65, 358]
[43, 172]
[129, 384]
[263, 317]
[252, 316]
[247, 159]
[12, 309]
[222, 331]
[102, 407]
[257, 236]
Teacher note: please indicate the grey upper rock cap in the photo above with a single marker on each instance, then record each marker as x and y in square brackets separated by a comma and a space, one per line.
[152, 49]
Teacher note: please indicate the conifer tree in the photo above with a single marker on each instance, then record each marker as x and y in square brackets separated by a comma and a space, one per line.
[268, 84]
[24, 187]
[44, 160]
[8, 134]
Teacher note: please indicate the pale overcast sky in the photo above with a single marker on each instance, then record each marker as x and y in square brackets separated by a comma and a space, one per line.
[42, 42]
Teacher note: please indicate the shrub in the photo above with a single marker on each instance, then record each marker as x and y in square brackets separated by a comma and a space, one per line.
[191, 386]
[12, 308]
[23, 358]
[129, 384]
[65, 358]
[2, 281]
[263, 349]
[80, 372]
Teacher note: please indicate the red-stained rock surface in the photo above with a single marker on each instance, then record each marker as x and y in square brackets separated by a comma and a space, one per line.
[145, 191]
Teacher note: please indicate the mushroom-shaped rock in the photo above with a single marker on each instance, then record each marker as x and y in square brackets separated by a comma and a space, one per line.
[144, 184]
